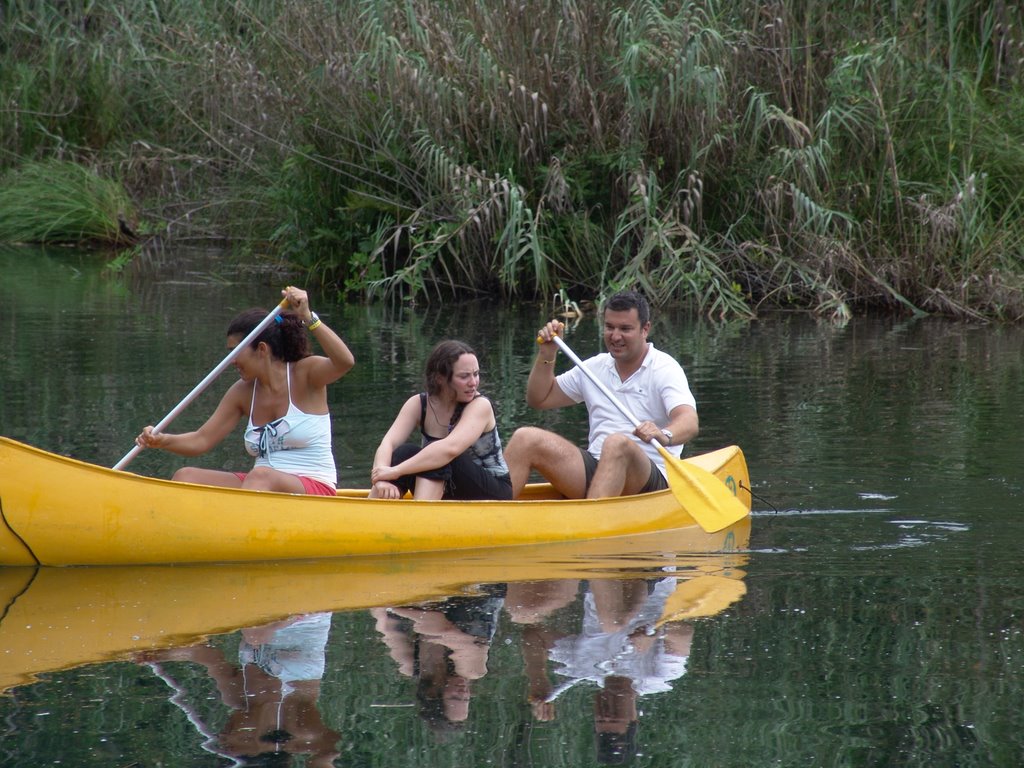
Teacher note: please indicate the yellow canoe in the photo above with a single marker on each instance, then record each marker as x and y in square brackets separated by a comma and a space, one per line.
[60, 511]
[58, 618]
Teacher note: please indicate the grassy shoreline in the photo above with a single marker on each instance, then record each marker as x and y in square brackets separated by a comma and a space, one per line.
[834, 158]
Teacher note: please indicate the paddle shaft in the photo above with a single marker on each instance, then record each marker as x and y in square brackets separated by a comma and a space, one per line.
[600, 385]
[202, 385]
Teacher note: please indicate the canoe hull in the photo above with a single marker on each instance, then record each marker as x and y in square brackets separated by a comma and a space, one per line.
[60, 511]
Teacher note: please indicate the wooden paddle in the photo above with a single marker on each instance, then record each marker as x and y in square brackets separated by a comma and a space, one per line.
[206, 381]
[700, 493]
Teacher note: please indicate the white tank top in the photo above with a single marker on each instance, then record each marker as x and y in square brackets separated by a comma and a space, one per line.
[298, 443]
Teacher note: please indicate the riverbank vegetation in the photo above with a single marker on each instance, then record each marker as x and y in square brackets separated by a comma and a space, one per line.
[836, 157]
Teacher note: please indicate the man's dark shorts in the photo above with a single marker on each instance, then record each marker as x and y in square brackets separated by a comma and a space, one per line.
[656, 482]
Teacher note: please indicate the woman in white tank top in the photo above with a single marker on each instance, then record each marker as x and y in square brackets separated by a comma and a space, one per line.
[282, 389]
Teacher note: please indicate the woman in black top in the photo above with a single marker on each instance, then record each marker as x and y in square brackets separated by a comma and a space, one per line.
[459, 456]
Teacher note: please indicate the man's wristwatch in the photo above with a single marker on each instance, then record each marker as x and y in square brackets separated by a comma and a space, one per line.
[668, 435]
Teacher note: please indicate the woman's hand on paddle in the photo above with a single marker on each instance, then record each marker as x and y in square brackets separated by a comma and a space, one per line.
[150, 439]
[298, 302]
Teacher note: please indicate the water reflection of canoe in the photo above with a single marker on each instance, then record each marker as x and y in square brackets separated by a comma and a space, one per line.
[59, 511]
[57, 618]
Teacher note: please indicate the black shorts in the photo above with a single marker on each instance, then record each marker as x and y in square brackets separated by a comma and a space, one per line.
[656, 482]
[463, 478]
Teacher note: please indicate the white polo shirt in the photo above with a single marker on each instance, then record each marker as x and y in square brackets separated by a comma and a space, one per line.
[657, 387]
[596, 654]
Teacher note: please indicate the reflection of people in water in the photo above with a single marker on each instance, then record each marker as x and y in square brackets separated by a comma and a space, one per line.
[272, 691]
[622, 646]
[444, 646]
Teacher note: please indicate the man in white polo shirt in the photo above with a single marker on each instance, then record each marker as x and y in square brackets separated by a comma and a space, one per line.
[619, 460]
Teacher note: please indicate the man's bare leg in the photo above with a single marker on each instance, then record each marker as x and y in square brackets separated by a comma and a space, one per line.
[554, 457]
[623, 470]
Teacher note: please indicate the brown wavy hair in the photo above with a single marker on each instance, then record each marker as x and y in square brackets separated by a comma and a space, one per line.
[441, 364]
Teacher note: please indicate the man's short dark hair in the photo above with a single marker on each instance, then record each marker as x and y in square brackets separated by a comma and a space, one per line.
[623, 301]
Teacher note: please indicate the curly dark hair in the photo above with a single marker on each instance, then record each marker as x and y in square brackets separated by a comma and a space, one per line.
[286, 336]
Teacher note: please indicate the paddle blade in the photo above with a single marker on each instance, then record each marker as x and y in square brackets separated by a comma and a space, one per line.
[701, 596]
[702, 495]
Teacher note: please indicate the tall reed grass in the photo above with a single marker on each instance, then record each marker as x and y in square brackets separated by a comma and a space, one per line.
[61, 202]
[729, 156]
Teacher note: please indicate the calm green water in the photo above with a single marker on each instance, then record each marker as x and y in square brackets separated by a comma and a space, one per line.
[881, 617]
